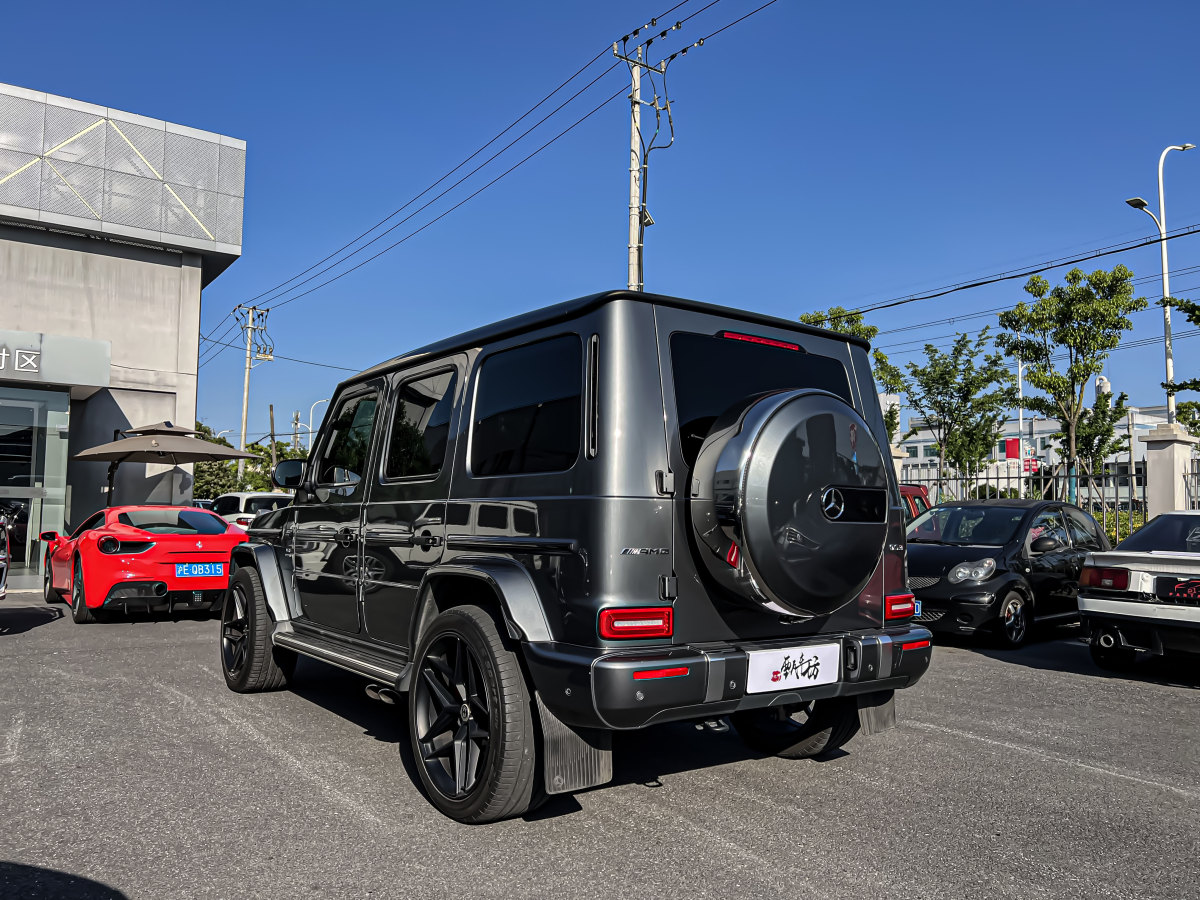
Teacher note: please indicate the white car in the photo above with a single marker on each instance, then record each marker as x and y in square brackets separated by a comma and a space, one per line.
[240, 508]
[1143, 598]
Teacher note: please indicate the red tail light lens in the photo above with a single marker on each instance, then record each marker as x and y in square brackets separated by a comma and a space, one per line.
[915, 645]
[109, 545]
[900, 606]
[675, 672]
[641, 622]
[1104, 578]
[756, 339]
[244, 520]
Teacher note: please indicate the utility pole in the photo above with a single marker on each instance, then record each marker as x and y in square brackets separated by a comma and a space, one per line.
[296, 430]
[274, 461]
[1020, 430]
[635, 174]
[253, 319]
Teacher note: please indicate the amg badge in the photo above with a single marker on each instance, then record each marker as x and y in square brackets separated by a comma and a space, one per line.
[646, 551]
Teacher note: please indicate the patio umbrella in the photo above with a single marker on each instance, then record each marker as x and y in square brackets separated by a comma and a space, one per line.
[163, 428]
[170, 448]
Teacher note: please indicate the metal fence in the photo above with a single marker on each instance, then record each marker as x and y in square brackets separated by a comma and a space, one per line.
[1116, 499]
[1191, 484]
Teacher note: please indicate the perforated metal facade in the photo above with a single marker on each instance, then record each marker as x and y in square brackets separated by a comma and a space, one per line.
[78, 166]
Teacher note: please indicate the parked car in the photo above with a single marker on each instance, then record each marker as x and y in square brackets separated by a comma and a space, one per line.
[202, 504]
[915, 499]
[146, 557]
[999, 565]
[1143, 598]
[241, 507]
[619, 511]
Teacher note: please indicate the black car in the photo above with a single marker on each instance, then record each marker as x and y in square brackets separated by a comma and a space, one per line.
[999, 565]
[619, 511]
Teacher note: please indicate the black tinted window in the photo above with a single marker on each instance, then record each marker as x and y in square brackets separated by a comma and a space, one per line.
[527, 409]
[1083, 530]
[225, 506]
[713, 373]
[173, 521]
[420, 426]
[344, 458]
[1170, 532]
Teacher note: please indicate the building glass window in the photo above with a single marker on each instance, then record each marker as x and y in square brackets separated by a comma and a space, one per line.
[912, 450]
[528, 409]
[930, 450]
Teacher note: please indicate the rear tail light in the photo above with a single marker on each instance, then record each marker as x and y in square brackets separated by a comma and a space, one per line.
[244, 520]
[109, 545]
[915, 645]
[900, 606]
[1105, 578]
[642, 622]
[675, 672]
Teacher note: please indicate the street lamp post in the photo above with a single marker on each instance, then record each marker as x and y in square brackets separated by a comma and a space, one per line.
[310, 417]
[1161, 221]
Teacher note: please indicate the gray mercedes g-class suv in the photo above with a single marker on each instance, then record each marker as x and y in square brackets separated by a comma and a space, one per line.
[614, 512]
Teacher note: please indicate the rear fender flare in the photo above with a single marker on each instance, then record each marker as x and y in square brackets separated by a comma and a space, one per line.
[278, 589]
[520, 603]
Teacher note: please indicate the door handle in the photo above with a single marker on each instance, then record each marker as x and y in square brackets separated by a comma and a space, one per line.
[427, 540]
[346, 537]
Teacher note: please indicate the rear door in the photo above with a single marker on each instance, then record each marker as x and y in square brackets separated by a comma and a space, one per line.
[404, 521]
[326, 539]
[1050, 572]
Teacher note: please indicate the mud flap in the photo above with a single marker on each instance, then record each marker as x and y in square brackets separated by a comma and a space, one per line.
[573, 758]
[876, 711]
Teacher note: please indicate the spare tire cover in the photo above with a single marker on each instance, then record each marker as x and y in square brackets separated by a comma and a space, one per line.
[790, 500]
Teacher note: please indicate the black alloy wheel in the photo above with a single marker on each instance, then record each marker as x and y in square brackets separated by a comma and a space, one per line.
[51, 595]
[471, 720]
[79, 608]
[1015, 621]
[453, 717]
[249, 659]
[234, 625]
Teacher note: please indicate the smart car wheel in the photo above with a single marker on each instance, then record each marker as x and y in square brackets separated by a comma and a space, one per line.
[799, 731]
[1015, 621]
[470, 720]
[249, 660]
[79, 608]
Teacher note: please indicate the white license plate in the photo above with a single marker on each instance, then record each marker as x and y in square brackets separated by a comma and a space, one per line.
[794, 667]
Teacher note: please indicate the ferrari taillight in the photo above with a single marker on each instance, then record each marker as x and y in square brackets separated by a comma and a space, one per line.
[108, 545]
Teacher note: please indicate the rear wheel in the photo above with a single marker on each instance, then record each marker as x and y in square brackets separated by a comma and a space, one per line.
[51, 595]
[249, 660]
[470, 720]
[79, 608]
[799, 731]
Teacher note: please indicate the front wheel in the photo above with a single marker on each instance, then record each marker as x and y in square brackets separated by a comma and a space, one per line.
[470, 720]
[79, 608]
[1015, 621]
[801, 731]
[249, 660]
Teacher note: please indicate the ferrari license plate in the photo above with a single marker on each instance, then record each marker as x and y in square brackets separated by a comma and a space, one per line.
[794, 667]
[199, 570]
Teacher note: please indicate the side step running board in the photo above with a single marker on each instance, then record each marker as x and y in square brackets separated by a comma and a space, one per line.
[361, 662]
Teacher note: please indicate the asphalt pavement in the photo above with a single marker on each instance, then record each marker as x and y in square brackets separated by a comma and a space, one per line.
[128, 770]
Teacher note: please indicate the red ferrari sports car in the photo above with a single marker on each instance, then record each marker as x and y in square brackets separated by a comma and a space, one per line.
[143, 557]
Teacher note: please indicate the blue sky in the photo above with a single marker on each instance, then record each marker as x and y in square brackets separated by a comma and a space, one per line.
[826, 154]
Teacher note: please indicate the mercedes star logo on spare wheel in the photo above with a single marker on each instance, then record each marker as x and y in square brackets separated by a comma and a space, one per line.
[833, 504]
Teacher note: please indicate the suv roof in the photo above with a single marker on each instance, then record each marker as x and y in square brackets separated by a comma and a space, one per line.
[561, 312]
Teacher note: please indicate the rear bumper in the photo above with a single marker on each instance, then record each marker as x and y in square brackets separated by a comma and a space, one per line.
[141, 583]
[593, 688]
[1158, 628]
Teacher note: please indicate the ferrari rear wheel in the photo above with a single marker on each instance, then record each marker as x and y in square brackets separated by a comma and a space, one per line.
[52, 596]
[79, 608]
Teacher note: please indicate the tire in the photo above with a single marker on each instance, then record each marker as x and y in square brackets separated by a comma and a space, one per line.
[249, 661]
[1015, 622]
[1112, 659]
[48, 590]
[471, 721]
[799, 732]
[79, 608]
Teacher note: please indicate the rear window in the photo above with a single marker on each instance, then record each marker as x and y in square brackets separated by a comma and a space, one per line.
[713, 373]
[265, 504]
[173, 521]
[1172, 533]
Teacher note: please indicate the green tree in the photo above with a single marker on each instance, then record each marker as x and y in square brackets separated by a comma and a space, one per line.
[963, 395]
[1187, 414]
[1097, 437]
[257, 473]
[888, 377]
[212, 479]
[1191, 309]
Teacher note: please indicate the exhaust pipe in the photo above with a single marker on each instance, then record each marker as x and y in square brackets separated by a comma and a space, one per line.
[160, 589]
[1108, 640]
[373, 691]
[382, 694]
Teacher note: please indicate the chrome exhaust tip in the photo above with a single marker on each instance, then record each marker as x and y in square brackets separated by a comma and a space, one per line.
[1108, 640]
[160, 589]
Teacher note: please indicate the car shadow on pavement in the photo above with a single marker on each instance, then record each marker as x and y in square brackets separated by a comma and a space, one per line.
[36, 883]
[1063, 649]
[19, 619]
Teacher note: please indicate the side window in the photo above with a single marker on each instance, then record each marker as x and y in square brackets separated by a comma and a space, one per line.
[1083, 530]
[528, 409]
[95, 521]
[225, 506]
[919, 503]
[1048, 524]
[347, 441]
[420, 426]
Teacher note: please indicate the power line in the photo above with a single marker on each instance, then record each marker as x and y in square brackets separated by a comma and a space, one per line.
[307, 362]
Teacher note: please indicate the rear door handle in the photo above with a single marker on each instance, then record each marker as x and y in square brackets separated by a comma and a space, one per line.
[426, 541]
[346, 537]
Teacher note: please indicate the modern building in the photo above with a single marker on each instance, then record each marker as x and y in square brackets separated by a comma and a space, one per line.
[111, 224]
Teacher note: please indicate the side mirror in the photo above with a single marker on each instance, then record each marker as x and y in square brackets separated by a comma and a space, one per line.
[49, 536]
[1045, 544]
[288, 474]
